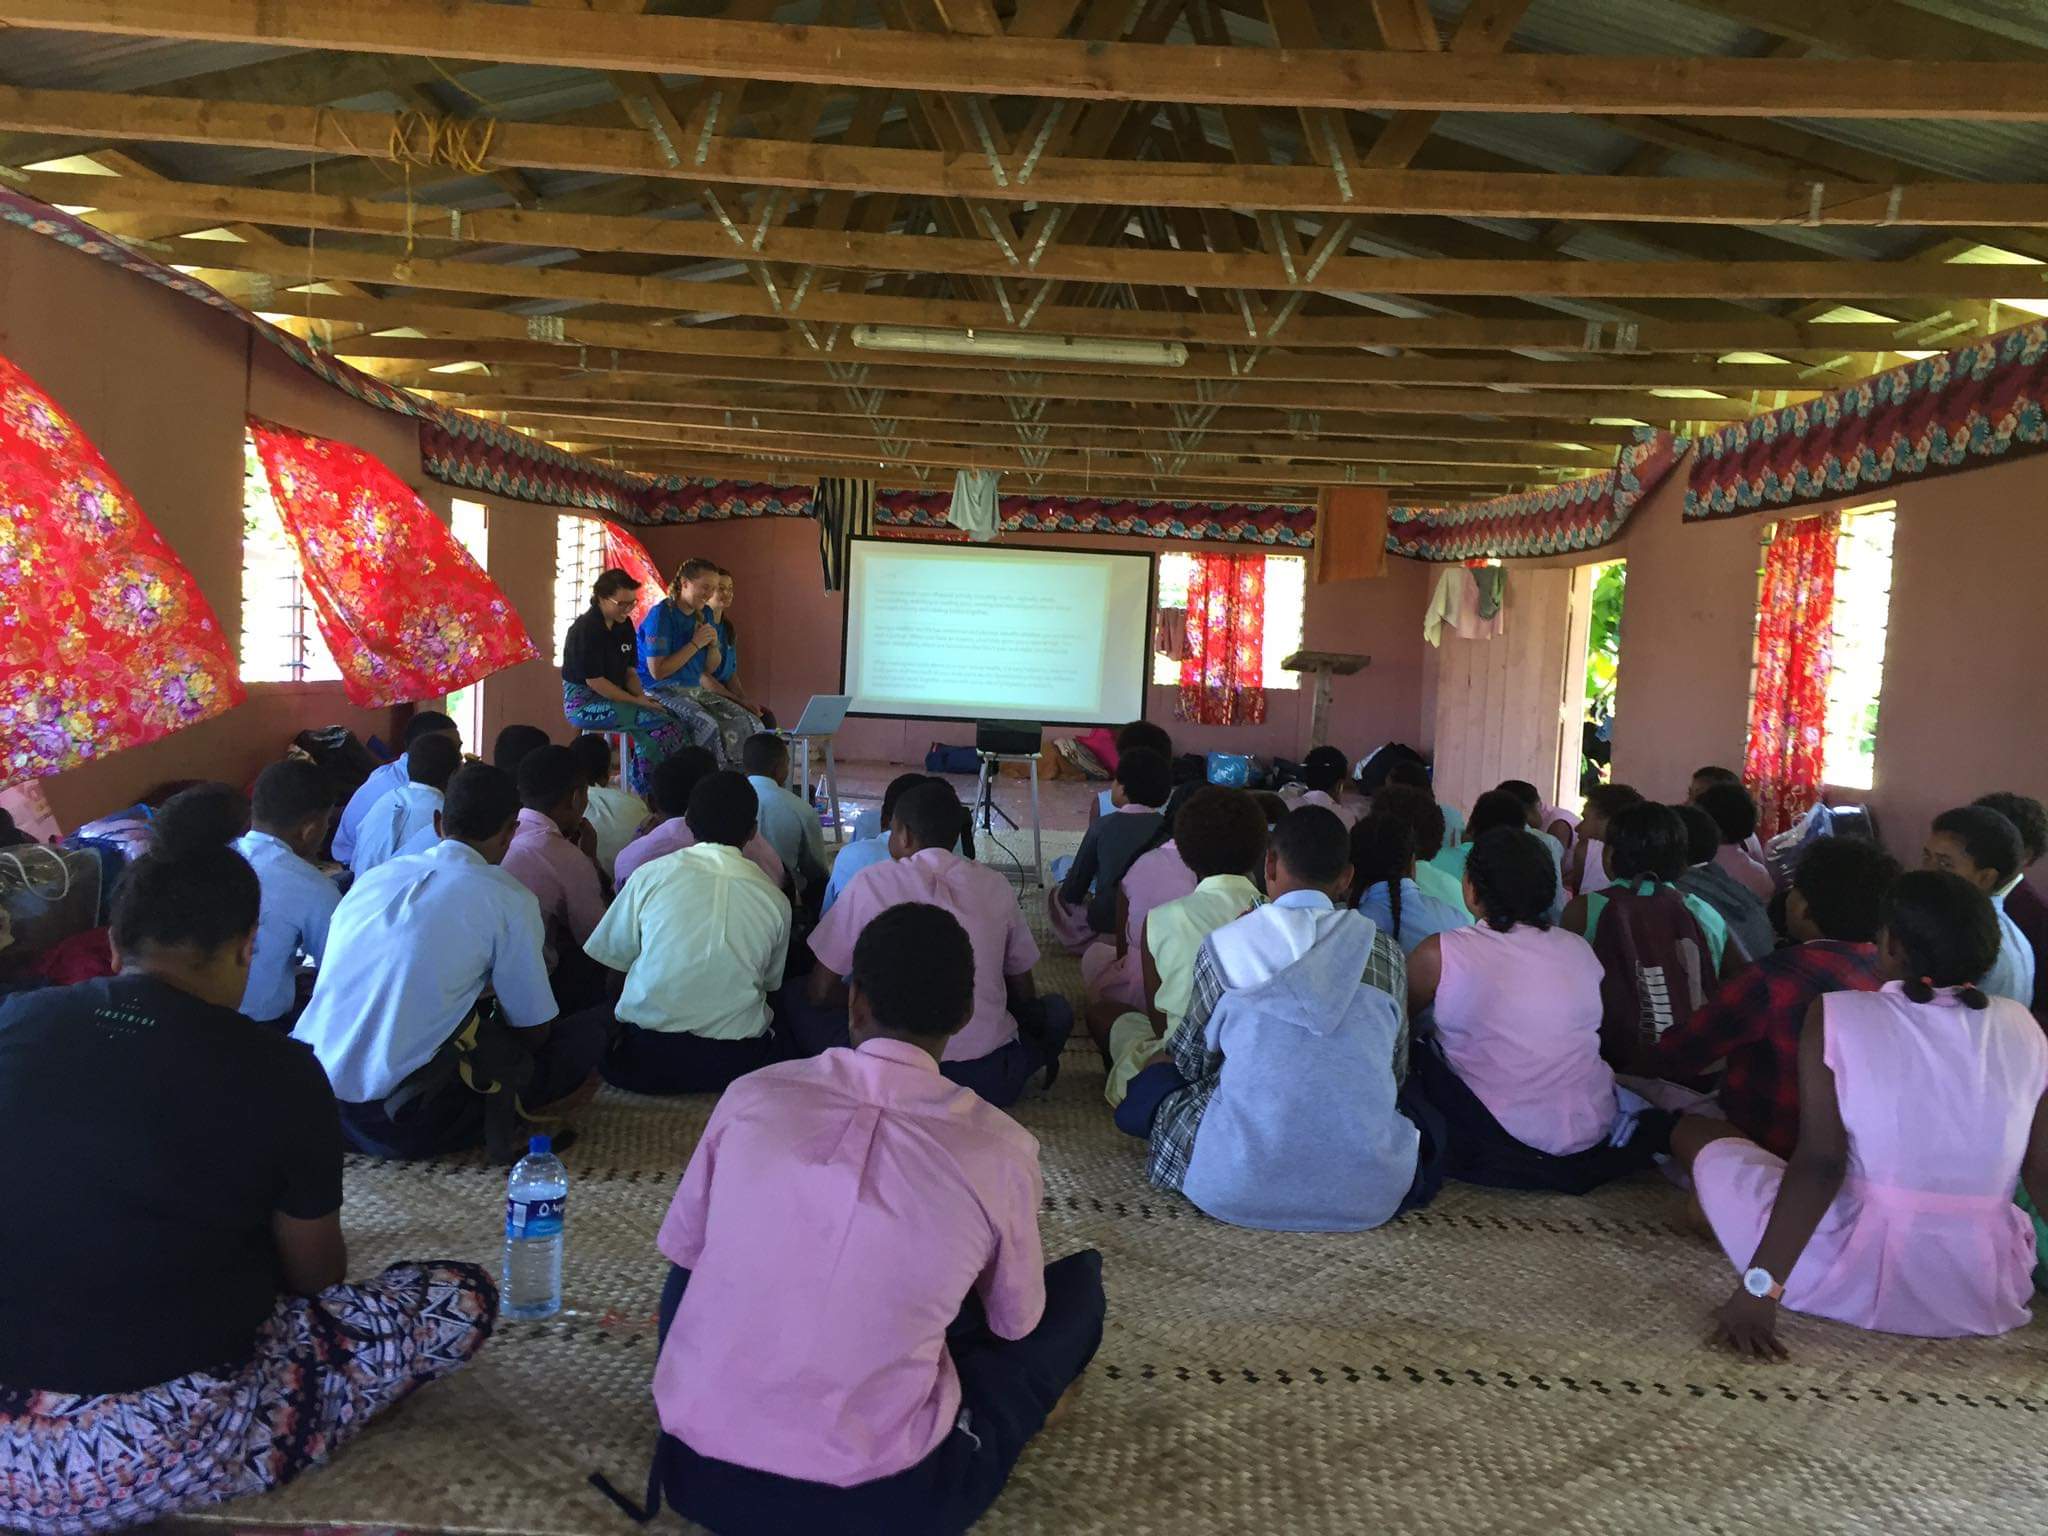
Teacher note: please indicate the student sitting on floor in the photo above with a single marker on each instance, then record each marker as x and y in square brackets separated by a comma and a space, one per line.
[675, 779]
[403, 821]
[2023, 904]
[180, 1327]
[204, 815]
[1749, 921]
[513, 743]
[1112, 969]
[392, 776]
[1661, 949]
[1921, 1110]
[1383, 881]
[1495, 808]
[1704, 779]
[1221, 834]
[294, 807]
[1324, 772]
[857, 856]
[1734, 813]
[416, 1053]
[1014, 1034]
[1281, 1083]
[1585, 867]
[789, 823]
[1752, 1021]
[1513, 1060]
[702, 937]
[1407, 775]
[1539, 817]
[874, 1364]
[1139, 733]
[1084, 905]
[613, 813]
[1419, 811]
[1979, 844]
[558, 871]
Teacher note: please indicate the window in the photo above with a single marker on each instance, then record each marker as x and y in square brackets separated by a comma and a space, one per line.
[281, 641]
[579, 561]
[1863, 603]
[1286, 600]
[470, 522]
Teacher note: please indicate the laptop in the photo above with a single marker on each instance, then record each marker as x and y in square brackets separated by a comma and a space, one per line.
[822, 716]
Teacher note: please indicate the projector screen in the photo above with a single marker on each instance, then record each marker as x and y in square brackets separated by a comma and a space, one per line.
[991, 632]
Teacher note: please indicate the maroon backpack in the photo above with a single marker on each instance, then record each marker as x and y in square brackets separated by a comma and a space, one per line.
[1655, 963]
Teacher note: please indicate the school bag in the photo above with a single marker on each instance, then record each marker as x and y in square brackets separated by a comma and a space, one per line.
[1654, 963]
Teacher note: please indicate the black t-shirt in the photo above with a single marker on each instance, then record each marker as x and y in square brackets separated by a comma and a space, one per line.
[152, 1136]
[597, 649]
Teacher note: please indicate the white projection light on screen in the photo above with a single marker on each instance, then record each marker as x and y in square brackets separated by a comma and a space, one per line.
[948, 632]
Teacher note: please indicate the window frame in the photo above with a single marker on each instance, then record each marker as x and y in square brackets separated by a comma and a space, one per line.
[1272, 653]
[308, 663]
[571, 591]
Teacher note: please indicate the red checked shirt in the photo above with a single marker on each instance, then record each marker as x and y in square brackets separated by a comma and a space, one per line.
[1753, 1022]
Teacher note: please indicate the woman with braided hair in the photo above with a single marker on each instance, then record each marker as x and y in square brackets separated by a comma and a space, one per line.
[1383, 883]
[1922, 1107]
[1513, 1062]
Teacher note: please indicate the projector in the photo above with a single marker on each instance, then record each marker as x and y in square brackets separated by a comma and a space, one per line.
[1008, 738]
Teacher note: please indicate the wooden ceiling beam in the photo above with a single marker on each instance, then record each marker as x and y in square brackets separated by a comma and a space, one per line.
[101, 116]
[1058, 67]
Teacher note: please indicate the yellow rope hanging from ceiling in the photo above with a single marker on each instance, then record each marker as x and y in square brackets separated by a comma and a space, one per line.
[462, 143]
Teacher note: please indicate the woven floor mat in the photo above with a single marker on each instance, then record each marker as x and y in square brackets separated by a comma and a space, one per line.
[1496, 1363]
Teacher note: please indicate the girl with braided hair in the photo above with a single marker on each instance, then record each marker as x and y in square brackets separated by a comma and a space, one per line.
[1383, 883]
[1513, 1061]
[1922, 1107]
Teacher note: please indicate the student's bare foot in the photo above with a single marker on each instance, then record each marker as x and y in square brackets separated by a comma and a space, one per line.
[1065, 1406]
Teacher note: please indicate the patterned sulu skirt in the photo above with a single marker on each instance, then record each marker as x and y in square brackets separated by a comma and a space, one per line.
[655, 730]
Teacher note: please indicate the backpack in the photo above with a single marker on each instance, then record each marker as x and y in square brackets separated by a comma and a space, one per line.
[1655, 964]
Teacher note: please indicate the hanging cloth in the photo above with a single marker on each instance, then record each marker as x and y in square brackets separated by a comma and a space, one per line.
[975, 507]
[1446, 606]
[1222, 676]
[1492, 581]
[1786, 756]
[407, 612]
[623, 552]
[846, 511]
[105, 639]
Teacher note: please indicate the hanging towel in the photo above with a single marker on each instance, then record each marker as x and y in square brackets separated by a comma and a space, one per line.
[846, 509]
[1492, 582]
[1445, 607]
[974, 504]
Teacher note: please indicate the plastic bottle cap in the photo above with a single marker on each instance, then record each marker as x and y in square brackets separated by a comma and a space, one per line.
[540, 1146]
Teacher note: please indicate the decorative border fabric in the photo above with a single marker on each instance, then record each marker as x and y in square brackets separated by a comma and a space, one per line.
[105, 639]
[1785, 762]
[1200, 521]
[1555, 520]
[1983, 401]
[624, 552]
[407, 612]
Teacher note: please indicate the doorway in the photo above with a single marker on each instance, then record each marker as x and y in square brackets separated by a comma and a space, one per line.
[1587, 715]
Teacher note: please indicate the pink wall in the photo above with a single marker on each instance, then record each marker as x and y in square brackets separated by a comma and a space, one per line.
[775, 568]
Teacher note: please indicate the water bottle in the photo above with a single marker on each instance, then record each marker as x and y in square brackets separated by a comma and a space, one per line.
[536, 1199]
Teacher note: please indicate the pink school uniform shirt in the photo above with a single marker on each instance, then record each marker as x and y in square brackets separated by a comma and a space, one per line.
[1345, 811]
[834, 1216]
[562, 879]
[1734, 858]
[978, 896]
[1154, 879]
[674, 835]
[1519, 1017]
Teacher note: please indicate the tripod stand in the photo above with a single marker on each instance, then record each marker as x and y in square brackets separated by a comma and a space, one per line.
[986, 810]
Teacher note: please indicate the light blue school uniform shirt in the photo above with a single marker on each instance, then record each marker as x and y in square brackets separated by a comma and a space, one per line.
[1421, 914]
[852, 859]
[789, 824]
[409, 951]
[298, 904]
[379, 784]
[396, 825]
[2012, 973]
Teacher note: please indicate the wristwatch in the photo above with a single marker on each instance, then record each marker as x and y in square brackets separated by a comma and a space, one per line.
[1761, 1284]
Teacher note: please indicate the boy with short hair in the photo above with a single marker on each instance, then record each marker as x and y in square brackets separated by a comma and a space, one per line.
[789, 823]
[1753, 1020]
[403, 821]
[674, 780]
[391, 776]
[614, 814]
[1735, 815]
[1323, 772]
[1014, 1034]
[857, 856]
[559, 873]
[2023, 901]
[877, 1362]
[1985, 848]
[292, 809]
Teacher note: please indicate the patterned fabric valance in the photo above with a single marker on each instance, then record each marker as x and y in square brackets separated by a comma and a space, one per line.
[1205, 521]
[1964, 409]
[105, 639]
[406, 611]
[1556, 520]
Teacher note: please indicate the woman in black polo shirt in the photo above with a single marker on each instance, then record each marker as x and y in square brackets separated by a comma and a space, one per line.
[601, 685]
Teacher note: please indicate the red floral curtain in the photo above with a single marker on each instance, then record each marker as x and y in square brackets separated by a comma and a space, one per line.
[105, 640]
[1795, 635]
[406, 611]
[1222, 675]
[626, 553]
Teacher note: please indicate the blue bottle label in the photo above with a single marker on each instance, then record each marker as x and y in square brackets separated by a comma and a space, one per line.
[535, 1218]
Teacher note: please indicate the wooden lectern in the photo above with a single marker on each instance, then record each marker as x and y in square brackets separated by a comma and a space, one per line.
[1325, 665]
